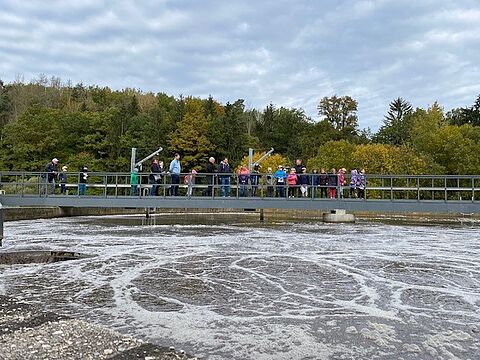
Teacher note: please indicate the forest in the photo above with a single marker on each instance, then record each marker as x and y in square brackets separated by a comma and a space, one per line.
[97, 127]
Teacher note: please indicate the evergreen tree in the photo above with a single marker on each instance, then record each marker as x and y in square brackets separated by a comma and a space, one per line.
[397, 124]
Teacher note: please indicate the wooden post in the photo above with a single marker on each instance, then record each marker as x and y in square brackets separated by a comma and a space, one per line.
[261, 215]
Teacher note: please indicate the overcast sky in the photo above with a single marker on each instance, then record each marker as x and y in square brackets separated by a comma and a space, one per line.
[290, 53]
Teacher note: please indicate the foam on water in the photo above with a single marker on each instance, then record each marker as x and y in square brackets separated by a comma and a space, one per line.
[246, 291]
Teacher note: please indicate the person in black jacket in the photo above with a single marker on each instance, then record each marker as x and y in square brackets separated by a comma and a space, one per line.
[298, 170]
[51, 174]
[322, 182]
[255, 179]
[224, 176]
[211, 170]
[332, 184]
[82, 180]
[155, 177]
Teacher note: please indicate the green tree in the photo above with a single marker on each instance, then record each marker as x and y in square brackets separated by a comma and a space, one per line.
[397, 124]
[341, 113]
[190, 139]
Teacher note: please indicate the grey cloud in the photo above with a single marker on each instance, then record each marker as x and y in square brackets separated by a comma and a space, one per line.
[288, 53]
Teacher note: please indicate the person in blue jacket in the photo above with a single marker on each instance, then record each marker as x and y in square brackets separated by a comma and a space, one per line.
[280, 177]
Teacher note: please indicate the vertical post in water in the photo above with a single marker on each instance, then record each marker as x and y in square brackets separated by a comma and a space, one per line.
[261, 215]
[1, 224]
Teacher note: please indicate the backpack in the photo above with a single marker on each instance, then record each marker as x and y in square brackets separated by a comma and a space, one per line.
[186, 179]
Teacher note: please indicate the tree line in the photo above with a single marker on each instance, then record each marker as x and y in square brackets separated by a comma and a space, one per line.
[97, 127]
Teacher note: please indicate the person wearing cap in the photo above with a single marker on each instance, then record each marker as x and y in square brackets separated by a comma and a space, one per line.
[51, 174]
[280, 177]
[63, 180]
[82, 180]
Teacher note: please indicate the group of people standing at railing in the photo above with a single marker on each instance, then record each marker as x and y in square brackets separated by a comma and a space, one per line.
[52, 174]
[284, 182]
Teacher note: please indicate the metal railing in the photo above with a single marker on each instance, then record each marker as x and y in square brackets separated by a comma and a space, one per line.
[376, 187]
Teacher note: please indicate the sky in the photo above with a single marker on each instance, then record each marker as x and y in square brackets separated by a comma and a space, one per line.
[289, 53]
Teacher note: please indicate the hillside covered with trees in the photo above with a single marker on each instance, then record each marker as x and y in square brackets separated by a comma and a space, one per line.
[97, 127]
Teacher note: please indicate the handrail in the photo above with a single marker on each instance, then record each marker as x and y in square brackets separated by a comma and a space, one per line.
[390, 187]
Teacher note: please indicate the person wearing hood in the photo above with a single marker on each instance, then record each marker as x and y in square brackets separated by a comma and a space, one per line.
[361, 184]
[353, 183]
[134, 182]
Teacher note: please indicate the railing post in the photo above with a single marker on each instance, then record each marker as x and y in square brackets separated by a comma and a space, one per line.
[433, 192]
[23, 184]
[391, 188]
[445, 183]
[105, 183]
[418, 188]
[473, 189]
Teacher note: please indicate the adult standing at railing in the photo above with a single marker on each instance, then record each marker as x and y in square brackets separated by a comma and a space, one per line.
[50, 175]
[224, 171]
[255, 179]
[155, 177]
[211, 169]
[174, 170]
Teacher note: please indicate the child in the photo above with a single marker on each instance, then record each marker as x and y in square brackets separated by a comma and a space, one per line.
[63, 180]
[303, 179]
[189, 180]
[292, 182]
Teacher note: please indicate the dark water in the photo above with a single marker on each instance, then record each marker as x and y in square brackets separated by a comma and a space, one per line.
[238, 289]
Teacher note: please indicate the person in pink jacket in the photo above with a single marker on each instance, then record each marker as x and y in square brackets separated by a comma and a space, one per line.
[292, 182]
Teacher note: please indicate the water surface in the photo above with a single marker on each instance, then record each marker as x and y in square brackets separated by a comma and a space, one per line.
[242, 290]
